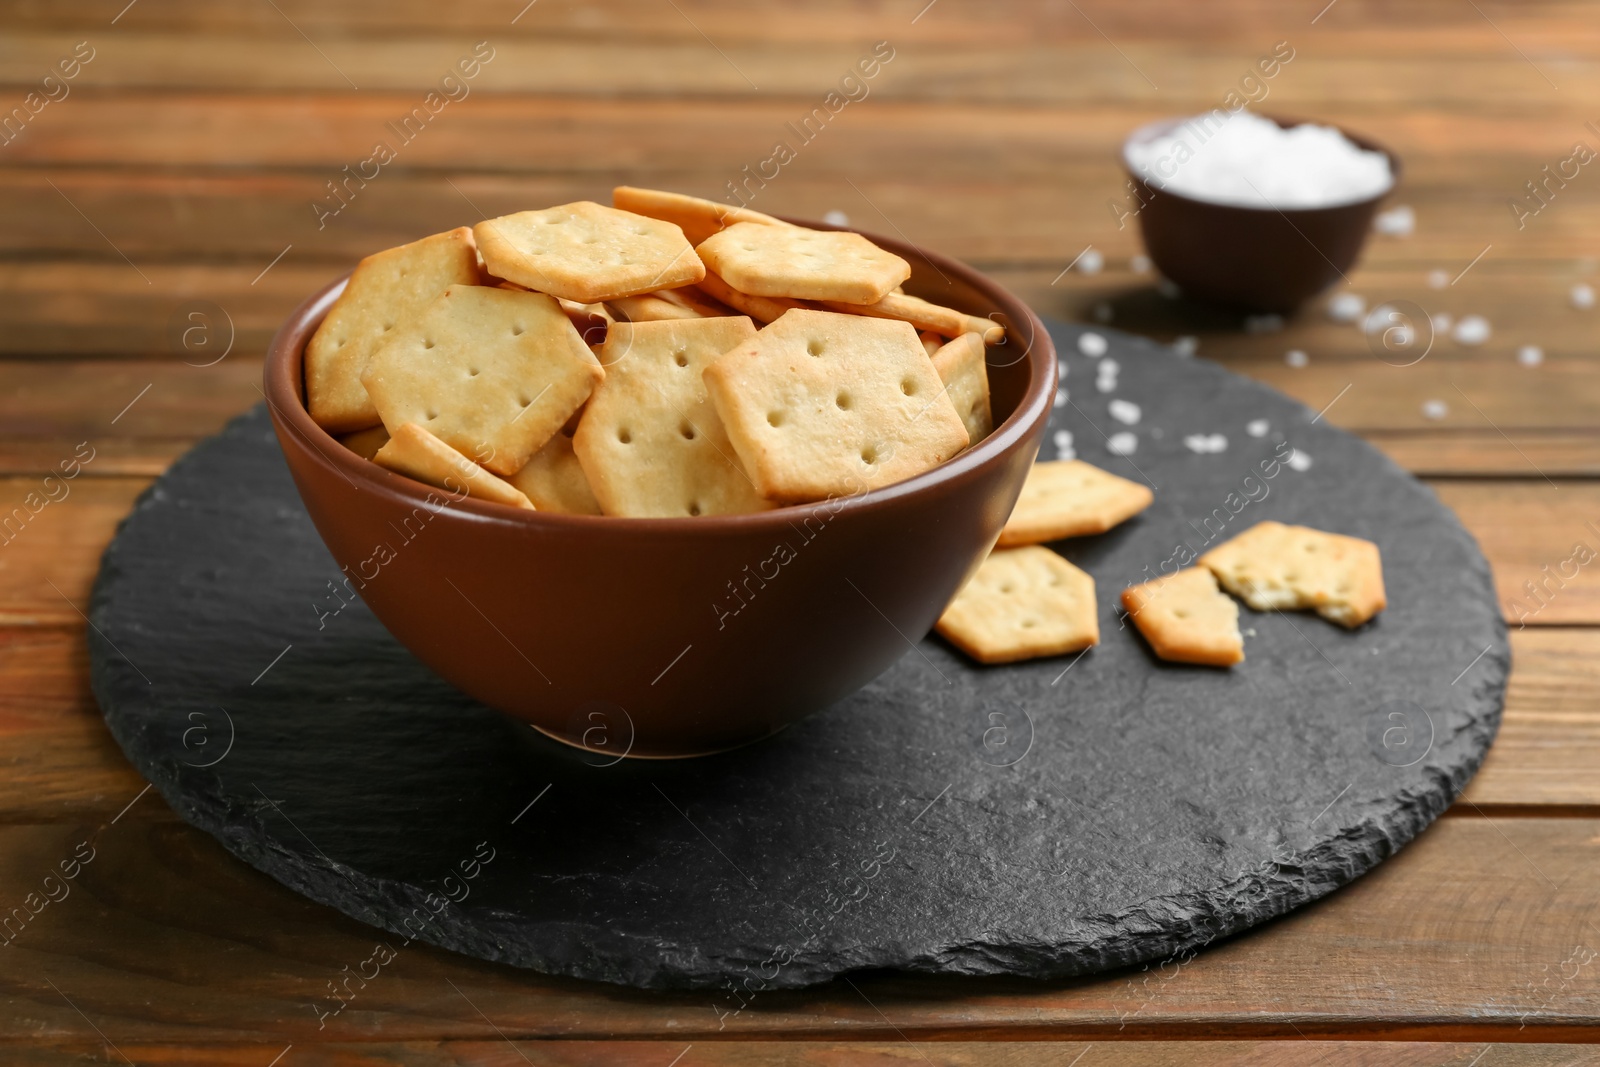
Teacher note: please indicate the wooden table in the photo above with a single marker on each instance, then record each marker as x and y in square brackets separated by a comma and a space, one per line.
[162, 203]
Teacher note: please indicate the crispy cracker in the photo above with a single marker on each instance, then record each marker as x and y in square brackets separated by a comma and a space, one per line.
[590, 320]
[763, 309]
[491, 372]
[416, 453]
[384, 290]
[587, 252]
[800, 264]
[554, 480]
[651, 441]
[931, 341]
[965, 373]
[1273, 567]
[1071, 498]
[947, 322]
[697, 218]
[1022, 603]
[1186, 618]
[365, 443]
[648, 307]
[820, 404]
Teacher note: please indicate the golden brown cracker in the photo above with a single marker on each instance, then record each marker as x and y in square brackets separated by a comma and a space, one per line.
[1187, 618]
[697, 218]
[962, 367]
[554, 480]
[1071, 498]
[416, 453]
[947, 322]
[1022, 603]
[763, 309]
[1274, 567]
[795, 263]
[587, 252]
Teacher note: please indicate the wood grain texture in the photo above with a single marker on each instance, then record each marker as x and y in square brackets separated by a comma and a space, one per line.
[1461, 939]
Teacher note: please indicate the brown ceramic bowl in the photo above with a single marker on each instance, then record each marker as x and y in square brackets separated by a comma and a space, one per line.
[1259, 258]
[672, 637]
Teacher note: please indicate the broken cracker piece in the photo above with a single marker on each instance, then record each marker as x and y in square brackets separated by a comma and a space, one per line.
[416, 453]
[1187, 618]
[1273, 567]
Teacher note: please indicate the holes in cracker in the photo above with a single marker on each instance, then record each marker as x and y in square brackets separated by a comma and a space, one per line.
[843, 400]
[516, 329]
[687, 429]
[625, 435]
[1181, 613]
[1028, 624]
[386, 328]
[869, 455]
[681, 357]
[472, 372]
[694, 508]
[524, 401]
[433, 416]
[908, 387]
[1006, 587]
[427, 342]
[774, 418]
[814, 347]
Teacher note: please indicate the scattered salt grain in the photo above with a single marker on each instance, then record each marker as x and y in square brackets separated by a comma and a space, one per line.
[1582, 296]
[1435, 409]
[1530, 355]
[1299, 461]
[1396, 222]
[1091, 262]
[1186, 345]
[1442, 321]
[836, 218]
[1106, 385]
[1061, 398]
[1092, 345]
[1257, 427]
[1139, 264]
[1438, 279]
[1123, 444]
[1296, 358]
[1346, 307]
[1061, 368]
[1063, 443]
[1124, 411]
[1206, 443]
[1107, 368]
[1472, 330]
[1246, 160]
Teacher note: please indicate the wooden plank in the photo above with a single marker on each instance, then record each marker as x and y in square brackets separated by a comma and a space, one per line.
[1457, 939]
[891, 1052]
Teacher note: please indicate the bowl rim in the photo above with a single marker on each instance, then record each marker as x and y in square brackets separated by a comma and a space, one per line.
[282, 385]
[1287, 122]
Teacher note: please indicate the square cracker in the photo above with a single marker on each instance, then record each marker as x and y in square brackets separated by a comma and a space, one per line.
[385, 289]
[651, 441]
[962, 368]
[1276, 567]
[587, 252]
[418, 454]
[491, 372]
[1186, 618]
[947, 322]
[763, 309]
[1022, 603]
[697, 218]
[1071, 498]
[554, 480]
[802, 264]
[819, 404]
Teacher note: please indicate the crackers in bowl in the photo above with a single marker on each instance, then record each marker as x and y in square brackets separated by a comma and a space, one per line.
[665, 356]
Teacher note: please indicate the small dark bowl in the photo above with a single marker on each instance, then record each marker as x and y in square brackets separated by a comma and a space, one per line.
[672, 637]
[1259, 258]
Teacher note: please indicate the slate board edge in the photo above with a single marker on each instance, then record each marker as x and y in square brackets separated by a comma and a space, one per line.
[1177, 923]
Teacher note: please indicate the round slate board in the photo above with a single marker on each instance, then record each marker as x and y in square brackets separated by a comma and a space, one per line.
[1049, 818]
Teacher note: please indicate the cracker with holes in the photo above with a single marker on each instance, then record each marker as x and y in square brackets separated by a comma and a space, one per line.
[587, 252]
[1022, 603]
[946, 322]
[1071, 498]
[697, 218]
[965, 373]
[1273, 567]
[802, 264]
[418, 454]
[651, 440]
[819, 404]
[554, 480]
[384, 290]
[1187, 618]
[491, 372]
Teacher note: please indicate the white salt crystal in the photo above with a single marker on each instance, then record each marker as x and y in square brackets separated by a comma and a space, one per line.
[1107, 368]
[1124, 411]
[1530, 355]
[1139, 264]
[1061, 368]
[1346, 307]
[1246, 160]
[1442, 321]
[1206, 444]
[1296, 358]
[1186, 345]
[1472, 330]
[1299, 461]
[1061, 398]
[1582, 296]
[1123, 444]
[836, 218]
[1092, 345]
[1063, 442]
[1438, 279]
[1106, 385]
[1396, 222]
[1257, 427]
[1091, 262]
[1435, 409]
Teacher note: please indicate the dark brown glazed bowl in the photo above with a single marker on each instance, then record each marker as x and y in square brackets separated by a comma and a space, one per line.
[671, 637]
[1263, 259]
